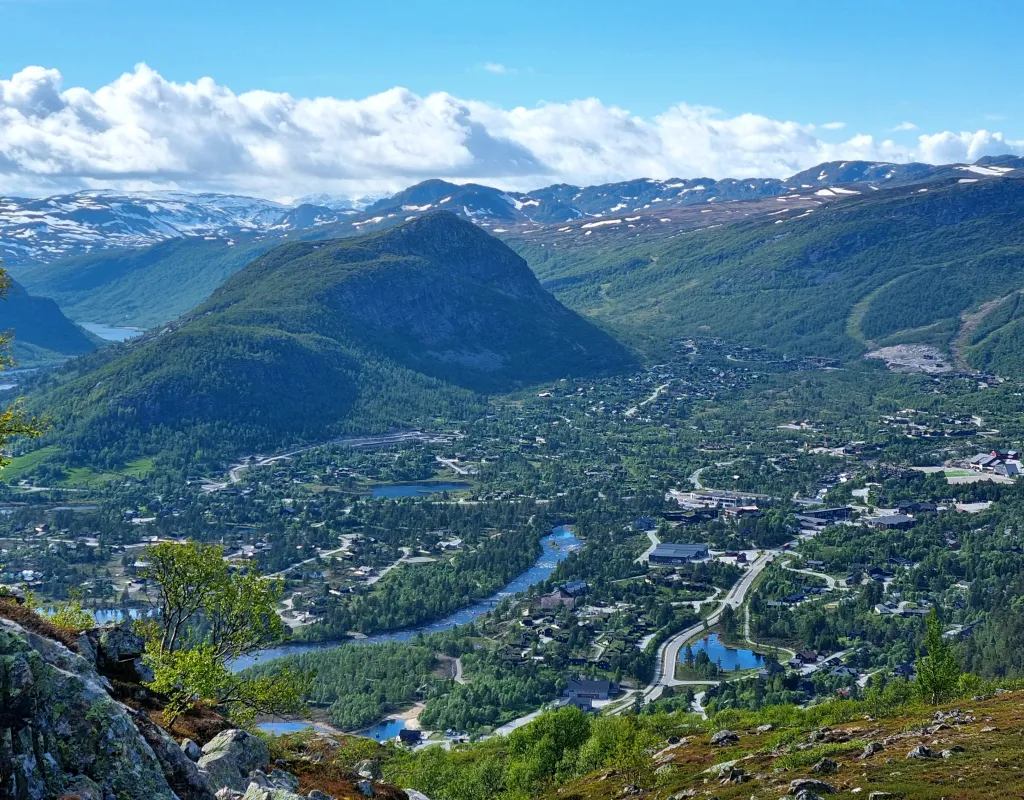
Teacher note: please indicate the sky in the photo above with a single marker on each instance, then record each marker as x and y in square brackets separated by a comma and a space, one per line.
[282, 99]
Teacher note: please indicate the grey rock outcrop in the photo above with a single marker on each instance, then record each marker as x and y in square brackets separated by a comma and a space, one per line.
[57, 720]
[230, 757]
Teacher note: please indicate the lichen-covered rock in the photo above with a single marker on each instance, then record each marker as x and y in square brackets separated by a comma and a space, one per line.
[57, 720]
[724, 738]
[231, 756]
[182, 773]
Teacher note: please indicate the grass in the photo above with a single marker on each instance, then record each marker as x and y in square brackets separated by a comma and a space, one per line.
[24, 464]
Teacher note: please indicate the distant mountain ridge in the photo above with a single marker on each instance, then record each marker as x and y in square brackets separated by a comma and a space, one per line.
[47, 230]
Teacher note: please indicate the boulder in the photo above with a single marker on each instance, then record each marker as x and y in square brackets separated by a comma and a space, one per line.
[921, 751]
[825, 767]
[870, 749]
[724, 738]
[811, 785]
[368, 768]
[230, 756]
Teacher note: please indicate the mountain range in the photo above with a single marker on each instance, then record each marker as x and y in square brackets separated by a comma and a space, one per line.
[400, 327]
[184, 252]
[45, 230]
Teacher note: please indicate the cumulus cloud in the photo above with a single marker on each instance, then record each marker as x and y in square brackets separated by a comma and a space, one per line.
[904, 126]
[834, 126]
[142, 131]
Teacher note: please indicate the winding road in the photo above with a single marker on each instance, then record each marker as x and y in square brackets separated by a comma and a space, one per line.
[668, 653]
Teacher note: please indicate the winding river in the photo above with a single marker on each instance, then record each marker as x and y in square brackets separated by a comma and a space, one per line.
[557, 545]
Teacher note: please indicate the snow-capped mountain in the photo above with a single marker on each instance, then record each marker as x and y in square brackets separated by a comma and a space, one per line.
[53, 228]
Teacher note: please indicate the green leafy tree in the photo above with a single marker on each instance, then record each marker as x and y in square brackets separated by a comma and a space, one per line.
[209, 615]
[938, 671]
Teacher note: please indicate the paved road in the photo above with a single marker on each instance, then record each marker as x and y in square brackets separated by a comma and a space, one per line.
[655, 541]
[829, 580]
[668, 653]
[632, 412]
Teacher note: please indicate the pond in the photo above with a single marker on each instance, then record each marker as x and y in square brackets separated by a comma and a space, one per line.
[395, 490]
[556, 546]
[110, 333]
[730, 656]
[281, 728]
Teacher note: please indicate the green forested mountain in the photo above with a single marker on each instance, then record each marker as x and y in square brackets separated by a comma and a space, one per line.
[42, 333]
[312, 339]
[940, 265]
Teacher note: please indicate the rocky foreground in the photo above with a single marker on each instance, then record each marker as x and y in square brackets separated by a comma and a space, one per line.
[63, 733]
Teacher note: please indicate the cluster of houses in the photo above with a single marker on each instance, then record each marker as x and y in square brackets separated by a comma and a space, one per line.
[997, 462]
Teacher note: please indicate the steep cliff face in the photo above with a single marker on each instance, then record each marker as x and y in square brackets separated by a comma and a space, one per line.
[60, 730]
[62, 734]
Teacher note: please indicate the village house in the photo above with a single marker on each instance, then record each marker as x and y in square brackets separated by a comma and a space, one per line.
[669, 554]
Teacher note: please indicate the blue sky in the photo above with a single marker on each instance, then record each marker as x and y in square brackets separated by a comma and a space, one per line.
[940, 65]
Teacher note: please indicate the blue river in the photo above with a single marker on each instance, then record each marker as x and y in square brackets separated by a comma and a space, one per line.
[556, 547]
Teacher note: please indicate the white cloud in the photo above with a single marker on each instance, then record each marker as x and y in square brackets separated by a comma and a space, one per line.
[498, 69]
[904, 126]
[143, 131]
[834, 126]
[947, 147]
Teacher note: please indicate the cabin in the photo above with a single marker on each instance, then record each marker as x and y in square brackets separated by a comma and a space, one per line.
[668, 554]
[409, 737]
[918, 507]
[587, 689]
[893, 522]
[837, 514]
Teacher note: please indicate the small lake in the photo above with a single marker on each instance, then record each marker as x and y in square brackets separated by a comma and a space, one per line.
[110, 333]
[730, 657]
[281, 728]
[556, 546]
[381, 732]
[395, 490]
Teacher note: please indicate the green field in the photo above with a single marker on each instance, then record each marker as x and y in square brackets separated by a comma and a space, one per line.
[21, 465]
[24, 465]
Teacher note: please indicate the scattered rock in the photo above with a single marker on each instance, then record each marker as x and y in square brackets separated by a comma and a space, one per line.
[182, 772]
[952, 751]
[765, 728]
[230, 756]
[879, 796]
[724, 738]
[825, 767]
[316, 794]
[811, 785]
[921, 751]
[870, 749]
[989, 729]
[368, 768]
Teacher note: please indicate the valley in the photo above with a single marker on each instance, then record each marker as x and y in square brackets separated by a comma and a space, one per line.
[593, 477]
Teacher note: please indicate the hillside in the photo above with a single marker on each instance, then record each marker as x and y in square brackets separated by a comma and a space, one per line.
[43, 334]
[837, 750]
[314, 339]
[903, 265]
